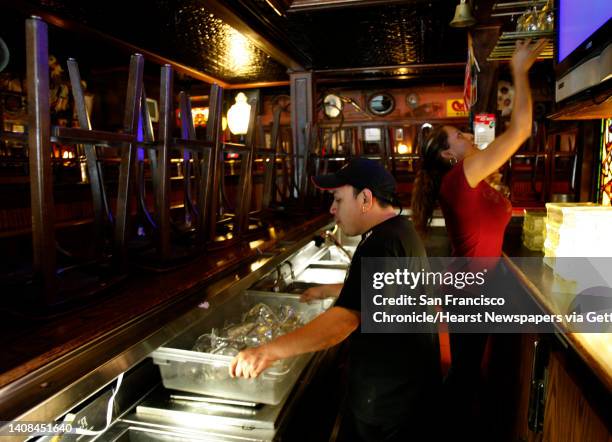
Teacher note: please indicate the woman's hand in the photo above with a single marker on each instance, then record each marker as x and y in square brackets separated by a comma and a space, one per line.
[249, 363]
[525, 54]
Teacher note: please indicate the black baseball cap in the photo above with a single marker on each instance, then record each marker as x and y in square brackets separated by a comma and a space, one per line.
[361, 173]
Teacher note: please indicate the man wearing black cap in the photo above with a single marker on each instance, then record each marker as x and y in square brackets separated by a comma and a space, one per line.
[391, 376]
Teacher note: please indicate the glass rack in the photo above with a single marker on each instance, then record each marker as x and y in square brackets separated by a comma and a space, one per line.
[504, 48]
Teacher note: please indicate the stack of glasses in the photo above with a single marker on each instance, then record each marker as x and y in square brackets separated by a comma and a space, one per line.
[534, 229]
[259, 325]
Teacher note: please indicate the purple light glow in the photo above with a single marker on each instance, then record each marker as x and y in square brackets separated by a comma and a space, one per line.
[578, 20]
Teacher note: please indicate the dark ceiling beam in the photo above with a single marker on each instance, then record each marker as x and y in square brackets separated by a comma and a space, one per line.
[384, 81]
[318, 5]
[228, 16]
[453, 72]
[271, 25]
[406, 69]
[279, 6]
[259, 85]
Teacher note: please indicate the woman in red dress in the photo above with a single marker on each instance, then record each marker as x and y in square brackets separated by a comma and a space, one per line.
[453, 173]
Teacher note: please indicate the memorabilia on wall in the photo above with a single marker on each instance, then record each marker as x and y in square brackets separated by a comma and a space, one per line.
[505, 97]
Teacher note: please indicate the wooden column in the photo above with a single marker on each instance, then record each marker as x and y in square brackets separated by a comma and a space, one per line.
[302, 118]
[484, 39]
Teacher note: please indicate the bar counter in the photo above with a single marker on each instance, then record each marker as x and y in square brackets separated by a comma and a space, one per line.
[595, 349]
[63, 348]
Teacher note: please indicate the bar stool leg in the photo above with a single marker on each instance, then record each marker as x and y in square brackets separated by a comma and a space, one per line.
[162, 177]
[96, 180]
[130, 125]
[39, 145]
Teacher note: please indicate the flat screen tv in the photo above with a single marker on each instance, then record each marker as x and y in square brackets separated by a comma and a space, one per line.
[584, 32]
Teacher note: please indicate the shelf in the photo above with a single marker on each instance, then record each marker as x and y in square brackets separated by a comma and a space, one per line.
[504, 48]
[529, 155]
[14, 180]
[14, 136]
[11, 233]
[515, 8]
[405, 156]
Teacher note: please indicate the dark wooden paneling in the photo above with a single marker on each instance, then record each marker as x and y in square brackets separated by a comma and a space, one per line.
[569, 416]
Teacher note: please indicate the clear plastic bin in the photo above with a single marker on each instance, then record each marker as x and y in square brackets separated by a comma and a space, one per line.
[206, 373]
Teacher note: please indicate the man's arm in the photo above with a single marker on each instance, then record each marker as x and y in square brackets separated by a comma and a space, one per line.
[325, 331]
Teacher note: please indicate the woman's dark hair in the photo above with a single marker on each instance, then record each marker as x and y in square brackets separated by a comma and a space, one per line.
[427, 183]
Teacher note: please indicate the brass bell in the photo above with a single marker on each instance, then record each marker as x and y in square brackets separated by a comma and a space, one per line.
[463, 16]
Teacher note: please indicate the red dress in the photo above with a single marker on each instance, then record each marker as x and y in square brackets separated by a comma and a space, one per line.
[476, 218]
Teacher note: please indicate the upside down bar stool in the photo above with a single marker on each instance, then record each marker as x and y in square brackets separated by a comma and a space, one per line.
[181, 230]
[61, 281]
[230, 224]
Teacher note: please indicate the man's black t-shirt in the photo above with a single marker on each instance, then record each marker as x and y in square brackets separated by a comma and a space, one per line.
[392, 377]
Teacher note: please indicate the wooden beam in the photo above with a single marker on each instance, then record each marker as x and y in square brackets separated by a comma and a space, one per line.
[302, 119]
[258, 85]
[311, 5]
[228, 16]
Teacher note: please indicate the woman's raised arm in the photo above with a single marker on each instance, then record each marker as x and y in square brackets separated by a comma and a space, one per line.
[480, 165]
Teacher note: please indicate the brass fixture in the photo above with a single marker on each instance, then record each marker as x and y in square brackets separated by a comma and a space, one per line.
[463, 16]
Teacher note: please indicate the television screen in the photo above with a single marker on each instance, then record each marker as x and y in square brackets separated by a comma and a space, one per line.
[578, 20]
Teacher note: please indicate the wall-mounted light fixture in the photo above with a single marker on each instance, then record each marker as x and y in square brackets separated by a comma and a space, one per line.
[238, 115]
[403, 149]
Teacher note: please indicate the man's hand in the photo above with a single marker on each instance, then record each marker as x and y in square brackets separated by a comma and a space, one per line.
[313, 293]
[321, 292]
[249, 363]
[326, 330]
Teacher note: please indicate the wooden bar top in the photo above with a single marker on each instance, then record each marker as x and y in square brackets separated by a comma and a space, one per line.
[556, 295]
[29, 343]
